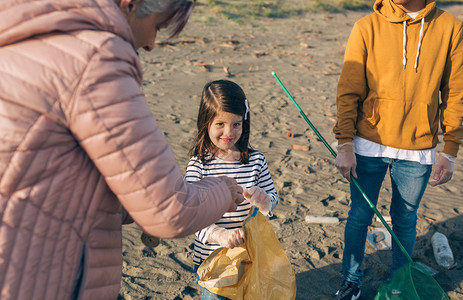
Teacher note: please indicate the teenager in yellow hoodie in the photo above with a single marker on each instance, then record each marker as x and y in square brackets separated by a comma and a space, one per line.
[402, 77]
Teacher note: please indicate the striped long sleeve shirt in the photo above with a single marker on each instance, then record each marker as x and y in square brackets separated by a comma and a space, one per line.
[255, 173]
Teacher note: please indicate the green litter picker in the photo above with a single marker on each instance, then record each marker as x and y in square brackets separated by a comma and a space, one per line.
[410, 282]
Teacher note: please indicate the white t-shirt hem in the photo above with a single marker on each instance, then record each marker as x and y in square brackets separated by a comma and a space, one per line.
[371, 149]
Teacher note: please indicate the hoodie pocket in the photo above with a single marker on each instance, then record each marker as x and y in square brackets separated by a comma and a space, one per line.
[402, 124]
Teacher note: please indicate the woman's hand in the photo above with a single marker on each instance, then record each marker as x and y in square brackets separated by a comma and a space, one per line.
[236, 192]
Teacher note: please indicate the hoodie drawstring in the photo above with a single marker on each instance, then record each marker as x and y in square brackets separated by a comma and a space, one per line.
[419, 44]
[404, 61]
[404, 51]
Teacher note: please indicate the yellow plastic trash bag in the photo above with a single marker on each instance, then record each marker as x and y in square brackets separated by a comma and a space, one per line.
[260, 270]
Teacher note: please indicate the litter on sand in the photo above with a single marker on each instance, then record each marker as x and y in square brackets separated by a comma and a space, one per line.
[300, 147]
[380, 239]
[321, 220]
[430, 270]
[388, 219]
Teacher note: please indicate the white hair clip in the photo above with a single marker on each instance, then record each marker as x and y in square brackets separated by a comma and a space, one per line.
[247, 109]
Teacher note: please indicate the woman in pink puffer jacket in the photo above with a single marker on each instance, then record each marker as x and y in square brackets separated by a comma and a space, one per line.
[80, 147]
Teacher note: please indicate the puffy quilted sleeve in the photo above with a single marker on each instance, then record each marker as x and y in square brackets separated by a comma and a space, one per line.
[111, 120]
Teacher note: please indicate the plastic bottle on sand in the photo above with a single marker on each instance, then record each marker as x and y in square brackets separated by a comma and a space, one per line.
[442, 251]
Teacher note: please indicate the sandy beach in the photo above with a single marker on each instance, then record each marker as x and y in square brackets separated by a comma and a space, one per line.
[306, 52]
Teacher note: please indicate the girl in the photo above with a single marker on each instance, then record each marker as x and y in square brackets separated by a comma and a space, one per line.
[221, 147]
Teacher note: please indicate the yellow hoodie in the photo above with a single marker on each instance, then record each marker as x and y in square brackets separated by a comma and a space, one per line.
[394, 68]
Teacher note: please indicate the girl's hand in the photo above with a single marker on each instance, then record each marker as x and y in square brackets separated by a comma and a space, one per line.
[228, 238]
[259, 198]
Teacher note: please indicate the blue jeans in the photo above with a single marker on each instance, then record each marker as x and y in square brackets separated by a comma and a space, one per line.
[205, 294]
[409, 180]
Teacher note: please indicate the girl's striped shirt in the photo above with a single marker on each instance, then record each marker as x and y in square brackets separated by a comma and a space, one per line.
[255, 173]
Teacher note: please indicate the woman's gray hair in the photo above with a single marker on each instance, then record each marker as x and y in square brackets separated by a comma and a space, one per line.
[180, 11]
[147, 7]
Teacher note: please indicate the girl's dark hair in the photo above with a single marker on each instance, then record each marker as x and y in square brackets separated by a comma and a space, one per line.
[227, 96]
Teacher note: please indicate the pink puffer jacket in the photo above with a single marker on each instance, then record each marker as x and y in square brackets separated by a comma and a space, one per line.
[78, 140]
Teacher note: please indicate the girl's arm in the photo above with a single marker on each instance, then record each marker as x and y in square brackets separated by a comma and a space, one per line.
[266, 183]
[228, 238]
[204, 235]
[263, 195]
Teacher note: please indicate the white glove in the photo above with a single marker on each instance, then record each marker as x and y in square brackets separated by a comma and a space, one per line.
[346, 161]
[228, 238]
[259, 198]
[444, 169]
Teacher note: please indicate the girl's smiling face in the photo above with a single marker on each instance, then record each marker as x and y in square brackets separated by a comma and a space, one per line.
[224, 131]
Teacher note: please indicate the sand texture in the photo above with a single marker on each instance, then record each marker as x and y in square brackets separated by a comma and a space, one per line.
[306, 53]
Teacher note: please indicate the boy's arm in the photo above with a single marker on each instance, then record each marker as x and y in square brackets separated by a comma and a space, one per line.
[451, 116]
[451, 110]
[352, 87]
